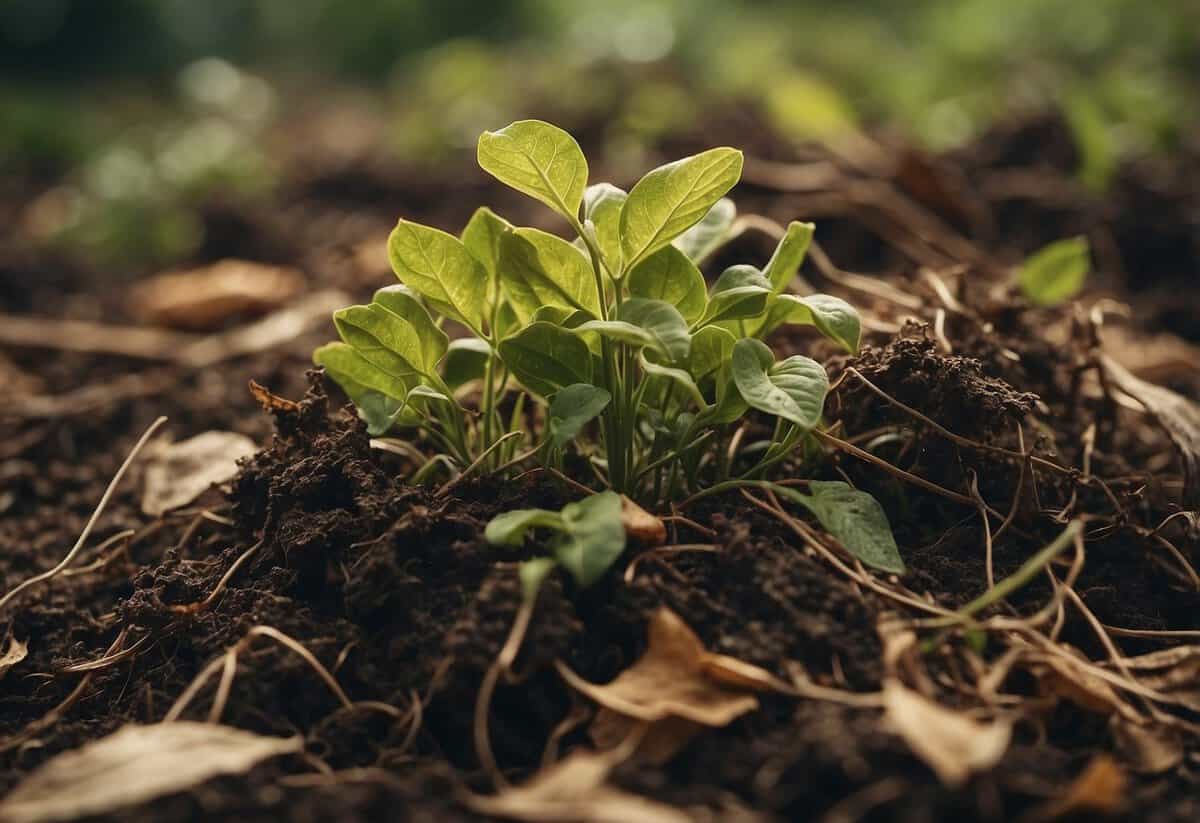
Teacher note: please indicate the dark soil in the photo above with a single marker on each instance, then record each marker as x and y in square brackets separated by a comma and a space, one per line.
[395, 591]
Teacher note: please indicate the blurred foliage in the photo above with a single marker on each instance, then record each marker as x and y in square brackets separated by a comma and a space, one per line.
[130, 90]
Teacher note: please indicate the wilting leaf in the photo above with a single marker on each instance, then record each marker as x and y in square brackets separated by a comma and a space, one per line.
[832, 316]
[668, 275]
[602, 206]
[539, 160]
[439, 267]
[177, 474]
[741, 291]
[572, 408]
[134, 765]
[950, 742]
[855, 518]
[709, 234]
[793, 389]
[1056, 273]
[673, 198]
[595, 536]
[539, 269]
[575, 789]
[546, 358]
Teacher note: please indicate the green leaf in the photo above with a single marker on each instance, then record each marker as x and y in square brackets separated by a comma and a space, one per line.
[538, 269]
[381, 413]
[383, 339]
[832, 316]
[789, 254]
[533, 573]
[403, 303]
[595, 537]
[679, 376]
[855, 518]
[793, 389]
[482, 236]
[646, 323]
[712, 346]
[670, 276]
[439, 267]
[509, 528]
[710, 233]
[730, 406]
[465, 361]
[572, 408]
[546, 358]
[673, 198]
[602, 204]
[356, 375]
[539, 160]
[740, 292]
[1056, 273]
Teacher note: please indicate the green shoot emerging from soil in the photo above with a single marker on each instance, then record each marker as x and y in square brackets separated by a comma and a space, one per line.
[637, 363]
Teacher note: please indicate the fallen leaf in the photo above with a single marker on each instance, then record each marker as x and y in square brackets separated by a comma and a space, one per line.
[671, 680]
[17, 651]
[206, 298]
[1147, 748]
[640, 525]
[576, 790]
[1061, 677]
[954, 745]
[1174, 673]
[269, 401]
[1100, 789]
[178, 473]
[136, 764]
[1178, 416]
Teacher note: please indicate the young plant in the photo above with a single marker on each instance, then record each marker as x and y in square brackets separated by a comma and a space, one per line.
[617, 325]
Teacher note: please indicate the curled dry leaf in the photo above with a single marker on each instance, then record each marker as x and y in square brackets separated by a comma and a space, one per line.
[1147, 749]
[206, 298]
[954, 745]
[14, 654]
[576, 789]
[640, 525]
[1062, 677]
[1174, 673]
[270, 401]
[178, 473]
[1178, 416]
[1100, 789]
[672, 679]
[136, 764]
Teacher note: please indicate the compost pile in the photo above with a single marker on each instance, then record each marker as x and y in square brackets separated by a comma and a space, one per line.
[1039, 660]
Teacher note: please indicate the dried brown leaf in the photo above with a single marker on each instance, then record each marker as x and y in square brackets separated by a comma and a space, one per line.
[16, 652]
[640, 525]
[576, 790]
[669, 680]
[178, 473]
[206, 298]
[1173, 672]
[136, 764]
[1178, 416]
[271, 402]
[954, 745]
[1147, 748]
[1100, 789]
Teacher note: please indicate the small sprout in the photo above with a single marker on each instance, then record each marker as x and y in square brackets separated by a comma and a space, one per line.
[1056, 273]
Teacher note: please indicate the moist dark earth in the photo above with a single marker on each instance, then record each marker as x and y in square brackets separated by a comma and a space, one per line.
[394, 590]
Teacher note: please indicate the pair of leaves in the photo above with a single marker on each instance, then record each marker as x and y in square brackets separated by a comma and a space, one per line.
[546, 163]
[855, 518]
[591, 537]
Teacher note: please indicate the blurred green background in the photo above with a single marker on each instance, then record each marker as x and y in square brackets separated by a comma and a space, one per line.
[130, 111]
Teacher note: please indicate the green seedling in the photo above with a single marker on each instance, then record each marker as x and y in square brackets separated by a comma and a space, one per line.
[1056, 273]
[637, 363]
